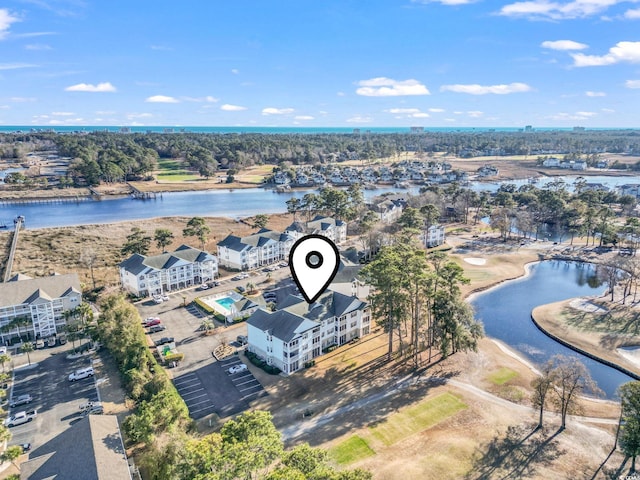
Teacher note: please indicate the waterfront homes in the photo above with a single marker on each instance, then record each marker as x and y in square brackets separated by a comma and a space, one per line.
[388, 210]
[554, 162]
[187, 266]
[433, 236]
[262, 248]
[299, 332]
[42, 301]
[334, 230]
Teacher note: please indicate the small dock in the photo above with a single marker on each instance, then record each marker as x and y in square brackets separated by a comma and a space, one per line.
[43, 200]
[19, 222]
[140, 195]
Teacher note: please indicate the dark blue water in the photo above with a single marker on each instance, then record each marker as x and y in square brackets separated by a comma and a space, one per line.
[211, 203]
[506, 314]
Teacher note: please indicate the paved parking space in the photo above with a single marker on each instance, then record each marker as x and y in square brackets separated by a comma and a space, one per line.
[55, 399]
[195, 311]
[248, 387]
[194, 394]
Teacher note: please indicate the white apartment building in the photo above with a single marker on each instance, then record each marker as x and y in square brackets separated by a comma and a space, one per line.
[185, 267]
[262, 248]
[334, 230]
[388, 210]
[433, 236]
[42, 301]
[298, 333]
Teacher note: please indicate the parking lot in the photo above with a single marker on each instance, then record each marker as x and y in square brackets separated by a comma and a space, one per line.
[203, 382]
[55, 399]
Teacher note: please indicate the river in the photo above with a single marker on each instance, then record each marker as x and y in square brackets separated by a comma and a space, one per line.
[207, 203]
[506, 314]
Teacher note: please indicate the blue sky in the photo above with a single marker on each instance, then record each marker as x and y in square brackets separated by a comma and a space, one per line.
[349, 63]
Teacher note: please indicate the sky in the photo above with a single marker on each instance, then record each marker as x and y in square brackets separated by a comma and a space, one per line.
[329, 63]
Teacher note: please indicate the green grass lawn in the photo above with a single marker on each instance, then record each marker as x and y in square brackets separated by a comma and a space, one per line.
[502, 376]
[180, 176]
[352, 449]
[418, 418]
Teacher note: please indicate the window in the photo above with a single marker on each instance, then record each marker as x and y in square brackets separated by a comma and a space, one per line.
[343, 328]
[365, 330]
[353, 314]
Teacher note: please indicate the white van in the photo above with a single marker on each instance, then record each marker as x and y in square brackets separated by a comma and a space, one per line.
[81, 373]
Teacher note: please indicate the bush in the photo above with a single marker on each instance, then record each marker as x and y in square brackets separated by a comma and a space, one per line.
[258, 362]
[309, 364]
[329, 348]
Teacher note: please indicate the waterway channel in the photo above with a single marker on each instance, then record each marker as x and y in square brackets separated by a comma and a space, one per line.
[506, 313]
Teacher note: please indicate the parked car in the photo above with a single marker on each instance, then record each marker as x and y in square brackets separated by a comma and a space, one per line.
[156, 328]
[164, 340]
[165, 297]
[204, 286]
[81, 373]
[39, 343]
[3, 350]
[95, 410]
[242, 339]
[88, 405]
[157, 299]
[150, 321]
[20, 418]
[240, 289]
[237, 369]
[216, 284]
[25, 447]
[51, 342]
[62, 338]
[21, 400]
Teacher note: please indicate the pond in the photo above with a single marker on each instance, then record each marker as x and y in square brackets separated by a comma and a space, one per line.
[506, 314]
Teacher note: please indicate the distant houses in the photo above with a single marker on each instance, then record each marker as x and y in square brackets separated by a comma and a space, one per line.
[261, 248]
[299, 332]
[185, 267]
[554, 162]
[43, 301]
[388, 210]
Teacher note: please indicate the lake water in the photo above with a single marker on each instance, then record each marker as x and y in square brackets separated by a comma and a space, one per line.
[506, 314]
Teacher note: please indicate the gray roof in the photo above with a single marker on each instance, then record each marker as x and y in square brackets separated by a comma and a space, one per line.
[281, 324]
[297, 316]
[18, 277]
[137, 263]
[47, 288]
[322, 223]
[91, 449]
[259, 239]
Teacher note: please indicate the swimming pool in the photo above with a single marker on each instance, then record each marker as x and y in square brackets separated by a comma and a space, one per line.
[225, 302]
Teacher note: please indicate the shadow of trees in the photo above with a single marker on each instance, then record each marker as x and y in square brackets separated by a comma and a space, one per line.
[515, 455]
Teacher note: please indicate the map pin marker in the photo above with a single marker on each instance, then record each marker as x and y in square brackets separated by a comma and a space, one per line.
[314, 262]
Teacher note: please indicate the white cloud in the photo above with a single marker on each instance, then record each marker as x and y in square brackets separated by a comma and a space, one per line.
[88, 87]
[445, 2]
[22, 99]
[232, 108]
[207, 99]
[162, 48]
[276, 111]
[303, 117]
[475, 89]
[437, 110]
[608, 110]
[132, 116]
[388, 87]
[62, 114]
[15, 66]
[162, 99]
[6, 19]
[564, 45]
[621, 52]
[38, 47]
[235, 71]
[475, 113]
[595, 94]
[105, 112]
[632, 84]
[359, 119]
[5, 107]
[632, 14]
[562, 116]
[340, 94]
[408, 112]
[33, 34]
[547, 10]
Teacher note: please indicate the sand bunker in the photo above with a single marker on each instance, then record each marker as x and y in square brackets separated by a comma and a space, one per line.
[632, 354]
[476, 261]
[587, 305]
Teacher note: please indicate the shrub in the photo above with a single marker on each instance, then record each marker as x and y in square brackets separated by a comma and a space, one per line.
[258, 362]
[309, 364]
[329, 348]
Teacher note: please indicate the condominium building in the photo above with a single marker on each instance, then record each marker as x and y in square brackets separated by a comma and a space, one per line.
[262, 248]
[334, 230]
[41, 302]
[433, 236]
[299, 332]
[187, 266]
